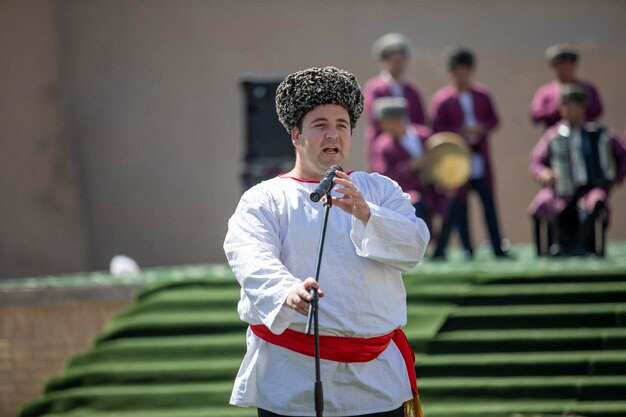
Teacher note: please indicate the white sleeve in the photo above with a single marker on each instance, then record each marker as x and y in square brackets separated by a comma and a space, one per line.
[394, 235]
[252, 247]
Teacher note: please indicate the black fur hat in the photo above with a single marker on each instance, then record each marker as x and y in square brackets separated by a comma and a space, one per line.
[302, 91]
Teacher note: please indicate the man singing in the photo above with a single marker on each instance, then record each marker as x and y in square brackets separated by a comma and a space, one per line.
[373, 235]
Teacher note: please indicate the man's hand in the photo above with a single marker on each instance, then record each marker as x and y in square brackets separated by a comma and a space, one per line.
[478, 129]
[473, 134]
[548, 177]
[299, 298]
[352, 201]
[419, 164]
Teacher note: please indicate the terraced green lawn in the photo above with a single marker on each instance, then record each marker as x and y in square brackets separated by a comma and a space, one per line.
[493, 339]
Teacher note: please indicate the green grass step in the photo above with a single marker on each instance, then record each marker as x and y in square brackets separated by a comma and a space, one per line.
[155, 349]
[521, 408]
[584, 276]
[445, 366]
[423, 319]
[192, 347]
[172, 324]
[449, 292]
[537, 316]
[524, 292]
[507, 294]
[126, 398]
[218, 411]
[445, 292]
[147, 373]
[214, 276]
[196, 294]
[524, 408]
[184, 299]
[526, 340]
[609, 362]
[184, 396]
[168, 290]
[194, 299]
[584, 388]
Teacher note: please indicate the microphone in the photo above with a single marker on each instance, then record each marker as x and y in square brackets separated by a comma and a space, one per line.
[326, 184]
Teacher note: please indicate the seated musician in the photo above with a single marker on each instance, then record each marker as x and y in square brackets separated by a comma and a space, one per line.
[399, 153]
[577, 163]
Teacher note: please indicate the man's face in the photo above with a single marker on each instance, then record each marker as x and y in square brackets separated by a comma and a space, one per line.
[564, 70]
[324, 140]
[395, 63]
[462, 75]
[572, 112]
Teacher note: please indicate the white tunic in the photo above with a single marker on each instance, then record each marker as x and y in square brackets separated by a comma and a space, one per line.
[397, 89]
[411, 142]
[272, 244]
[467, 104]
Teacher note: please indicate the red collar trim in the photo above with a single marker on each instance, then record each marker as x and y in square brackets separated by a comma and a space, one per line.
[285, 176]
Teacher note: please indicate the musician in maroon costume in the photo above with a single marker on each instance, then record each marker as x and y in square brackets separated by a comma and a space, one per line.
[465, 107]
[399, 152]
[544, 108]
[392, 52]
[573, 194]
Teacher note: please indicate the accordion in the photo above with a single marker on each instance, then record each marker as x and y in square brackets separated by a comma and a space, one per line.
[582, 158]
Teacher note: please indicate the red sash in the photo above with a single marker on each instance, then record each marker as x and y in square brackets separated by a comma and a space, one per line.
[343, 349]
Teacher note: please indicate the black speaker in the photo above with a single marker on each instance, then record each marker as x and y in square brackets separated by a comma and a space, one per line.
[268, 149]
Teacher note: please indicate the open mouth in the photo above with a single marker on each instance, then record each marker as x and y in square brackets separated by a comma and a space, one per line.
[331, 150]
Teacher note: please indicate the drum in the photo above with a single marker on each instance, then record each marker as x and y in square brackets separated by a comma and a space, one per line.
[450, 162]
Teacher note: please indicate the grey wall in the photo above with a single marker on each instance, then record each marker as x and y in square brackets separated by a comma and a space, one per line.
[41, 224]
[151, 99]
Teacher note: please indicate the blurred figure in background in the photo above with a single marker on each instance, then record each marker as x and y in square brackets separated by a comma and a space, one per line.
[392, 52]
[544, 108]
[466, 108]
[399, 152]
[576, 162]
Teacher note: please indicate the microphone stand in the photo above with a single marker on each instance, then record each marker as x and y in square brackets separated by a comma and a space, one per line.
[313, 314]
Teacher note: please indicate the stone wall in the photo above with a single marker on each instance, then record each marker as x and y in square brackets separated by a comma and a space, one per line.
[41, 329]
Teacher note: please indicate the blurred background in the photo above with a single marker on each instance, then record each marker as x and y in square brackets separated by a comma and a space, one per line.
[122, 122]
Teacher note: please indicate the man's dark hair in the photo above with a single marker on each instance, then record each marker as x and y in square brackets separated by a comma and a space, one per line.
[458, 56]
